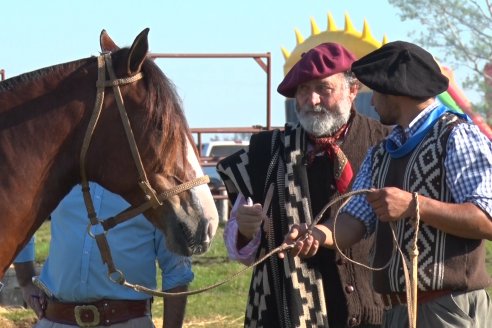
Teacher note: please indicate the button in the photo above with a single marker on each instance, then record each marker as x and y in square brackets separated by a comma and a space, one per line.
[352, 322]
[349, 289]
[341, 261]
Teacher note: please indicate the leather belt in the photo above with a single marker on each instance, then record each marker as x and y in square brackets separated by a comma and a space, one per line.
[100, 313]
[395, 299]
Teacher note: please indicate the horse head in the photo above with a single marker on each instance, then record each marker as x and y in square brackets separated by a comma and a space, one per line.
[163, 145]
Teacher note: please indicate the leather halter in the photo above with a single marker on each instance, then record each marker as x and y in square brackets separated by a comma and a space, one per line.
[153, 200]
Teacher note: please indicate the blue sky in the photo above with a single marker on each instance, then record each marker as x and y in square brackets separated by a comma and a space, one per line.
[215, 92]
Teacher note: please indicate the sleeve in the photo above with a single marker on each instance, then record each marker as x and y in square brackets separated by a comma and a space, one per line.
[175, 269]
[468, 166]
[247, 254]
[27, 253]
[358, 206]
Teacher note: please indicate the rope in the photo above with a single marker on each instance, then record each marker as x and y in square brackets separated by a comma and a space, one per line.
[146, 290]
[411, 297]
[410, 281]
[153, 200]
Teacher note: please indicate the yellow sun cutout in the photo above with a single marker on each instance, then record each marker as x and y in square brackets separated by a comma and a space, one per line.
[359, 43]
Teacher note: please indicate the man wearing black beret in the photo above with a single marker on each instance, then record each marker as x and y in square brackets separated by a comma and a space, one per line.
[434, 168]
[308, 164]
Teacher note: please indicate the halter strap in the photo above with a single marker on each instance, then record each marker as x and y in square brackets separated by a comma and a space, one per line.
[153, 200]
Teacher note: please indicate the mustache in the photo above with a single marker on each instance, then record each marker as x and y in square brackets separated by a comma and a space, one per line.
[316, 108]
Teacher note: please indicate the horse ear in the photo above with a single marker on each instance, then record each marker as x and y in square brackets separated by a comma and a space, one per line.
[107, 44]
[138, 52]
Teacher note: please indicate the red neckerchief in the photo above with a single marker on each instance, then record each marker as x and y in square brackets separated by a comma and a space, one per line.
[342, 170]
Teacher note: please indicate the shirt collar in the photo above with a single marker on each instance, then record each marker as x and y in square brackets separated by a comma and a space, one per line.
[400, 134]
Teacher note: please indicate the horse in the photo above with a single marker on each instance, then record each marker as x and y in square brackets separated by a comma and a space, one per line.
[59, 128]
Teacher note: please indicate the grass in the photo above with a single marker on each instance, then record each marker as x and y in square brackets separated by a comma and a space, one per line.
[219, 308]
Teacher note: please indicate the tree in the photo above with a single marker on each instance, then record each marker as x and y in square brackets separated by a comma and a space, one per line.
[461, 30]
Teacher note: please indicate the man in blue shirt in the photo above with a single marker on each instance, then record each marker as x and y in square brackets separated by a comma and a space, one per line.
[430, 179]
[74, 283]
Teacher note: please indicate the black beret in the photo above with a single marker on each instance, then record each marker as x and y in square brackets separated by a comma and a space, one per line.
[402, 69]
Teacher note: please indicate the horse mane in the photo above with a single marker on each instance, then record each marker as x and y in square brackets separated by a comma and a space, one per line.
[167, 115]
[164, 104]
[18, 80]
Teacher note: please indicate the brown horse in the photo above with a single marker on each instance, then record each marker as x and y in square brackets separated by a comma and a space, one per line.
[44, 119]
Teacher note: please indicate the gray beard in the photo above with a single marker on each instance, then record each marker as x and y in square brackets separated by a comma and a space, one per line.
[319, 121]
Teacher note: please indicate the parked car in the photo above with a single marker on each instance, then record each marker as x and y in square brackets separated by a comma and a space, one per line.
[211, 153]
[219, 149]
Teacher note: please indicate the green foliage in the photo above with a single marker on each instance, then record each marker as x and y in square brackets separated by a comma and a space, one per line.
[461, 30]
[488, 261]
[223, 306]
[220, 307]
[43, 237]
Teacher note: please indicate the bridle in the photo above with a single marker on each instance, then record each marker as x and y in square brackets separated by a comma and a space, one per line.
[153, 200]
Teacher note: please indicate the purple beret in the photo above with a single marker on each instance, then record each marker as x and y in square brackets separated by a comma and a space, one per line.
[402, 69]
[321, 61]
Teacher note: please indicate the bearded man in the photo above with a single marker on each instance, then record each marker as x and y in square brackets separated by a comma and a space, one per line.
[306, 165]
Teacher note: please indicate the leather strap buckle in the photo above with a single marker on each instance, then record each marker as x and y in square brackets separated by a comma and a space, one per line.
[83, 314]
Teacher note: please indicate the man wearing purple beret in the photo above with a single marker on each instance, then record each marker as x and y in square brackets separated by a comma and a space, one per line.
[286, 178]
[430, 185]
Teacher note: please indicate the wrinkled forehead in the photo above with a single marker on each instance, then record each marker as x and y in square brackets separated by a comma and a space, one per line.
[331, 80]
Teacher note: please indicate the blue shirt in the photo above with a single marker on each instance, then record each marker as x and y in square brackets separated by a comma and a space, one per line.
[468, 166]
[74, 270]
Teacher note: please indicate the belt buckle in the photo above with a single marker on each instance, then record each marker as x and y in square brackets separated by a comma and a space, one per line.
[80, 309]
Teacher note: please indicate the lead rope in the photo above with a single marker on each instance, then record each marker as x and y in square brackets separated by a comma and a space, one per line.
[146, 290]
[152, 199]
[410, 282]
[414, 256]
[411, 296]
[281, 248]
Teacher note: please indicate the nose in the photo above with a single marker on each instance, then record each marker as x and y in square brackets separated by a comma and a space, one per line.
[314, 98]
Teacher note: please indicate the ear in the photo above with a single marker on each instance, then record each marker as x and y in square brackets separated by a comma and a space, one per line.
[138, 52]
[107, 44]
[354, 90]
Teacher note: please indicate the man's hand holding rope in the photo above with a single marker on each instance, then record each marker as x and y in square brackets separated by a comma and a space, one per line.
[306, 241]
[389, 204]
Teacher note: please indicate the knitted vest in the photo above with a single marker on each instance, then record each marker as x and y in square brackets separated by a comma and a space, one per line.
[445, 261]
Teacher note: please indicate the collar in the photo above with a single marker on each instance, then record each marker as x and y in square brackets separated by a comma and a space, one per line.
[418, 129]
[420, 119]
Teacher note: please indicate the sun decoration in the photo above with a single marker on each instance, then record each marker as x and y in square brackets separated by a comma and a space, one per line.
[362, 43]
[358, 43]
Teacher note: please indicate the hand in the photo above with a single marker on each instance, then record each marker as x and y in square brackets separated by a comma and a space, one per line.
[34, 298]
[249, 219]
[305, 242]
[391, 204]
